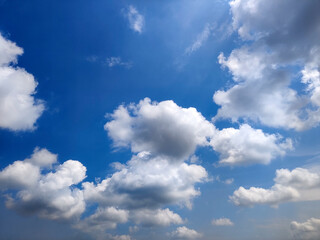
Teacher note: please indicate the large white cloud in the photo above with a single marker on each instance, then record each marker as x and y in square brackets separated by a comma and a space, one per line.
[264, 68]
[19, 110]
[163, 129]
[172, 132]
[300, 184]
[309, 230]
[246, 146]
[32, 188]
[148, 182]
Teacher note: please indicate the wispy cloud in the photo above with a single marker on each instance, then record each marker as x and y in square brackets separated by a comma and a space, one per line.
[201, 39]
[136, 20]
[110, 61]
[116, 61]
[222, 222]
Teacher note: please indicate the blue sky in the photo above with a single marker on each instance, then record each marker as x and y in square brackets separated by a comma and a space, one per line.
[159, 120]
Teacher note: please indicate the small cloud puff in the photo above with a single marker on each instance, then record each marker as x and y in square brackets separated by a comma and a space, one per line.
[222, 222]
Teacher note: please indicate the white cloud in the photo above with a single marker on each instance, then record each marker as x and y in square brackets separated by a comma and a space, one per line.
[136, 20]
[185, 233]
[201, 39]
[34, 190]
[103, 219]
[309, 230]
[262, 92]
[262, 70]
[42, 158]
[116, 61]
[163, 129]
[18, 108]
[9, 51]
[311, 77]
[222, 222]
[158, 217]
[297, 185]
[167, 130]
[246, 146]
[227, 181]
[147, 182]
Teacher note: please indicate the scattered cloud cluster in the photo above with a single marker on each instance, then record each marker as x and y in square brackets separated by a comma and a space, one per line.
[19, 110]
[163, 138]
[262, 67]
[136, 20]
[185, 233]
[300, 184]
[165, 129]
[222, 222]
[309, 230]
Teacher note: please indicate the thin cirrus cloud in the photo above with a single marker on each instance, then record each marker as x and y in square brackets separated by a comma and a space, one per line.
[111, 62]
[262, 67]
[300, 184]
[117, 61]
[200, 40]
[136, 20]
[19, 110]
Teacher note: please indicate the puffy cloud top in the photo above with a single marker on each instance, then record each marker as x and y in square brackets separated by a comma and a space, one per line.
[185, 233]
[51, 194]
[163, 129]
[278, 36]
[18, 108]
[300, 184]
[246, 146]
[309, 230]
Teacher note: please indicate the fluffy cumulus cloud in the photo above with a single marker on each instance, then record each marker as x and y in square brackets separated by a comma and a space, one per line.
[222, 222]
[246, 146]
[277, 38]
[19, 110]
[300, 184]
[172, 132]
[33, 187]
[185, 233]
[136, 20]
[102, 220]
[158, 217]
[148, 182]
[163, 129]
[309, 230]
